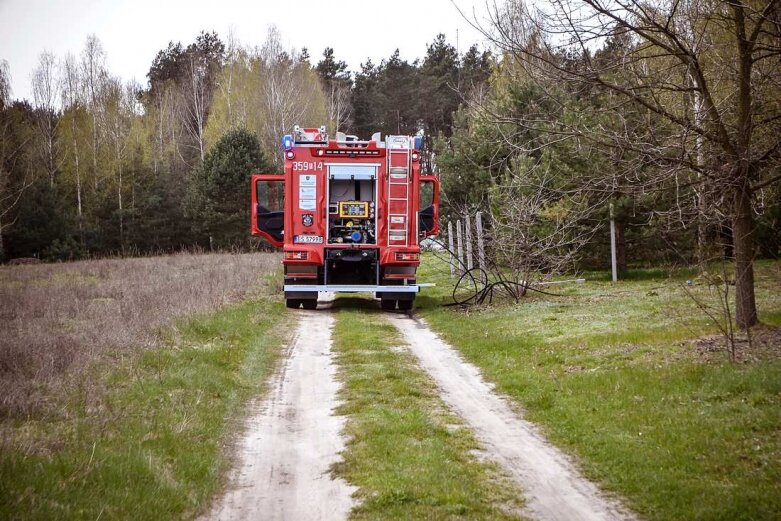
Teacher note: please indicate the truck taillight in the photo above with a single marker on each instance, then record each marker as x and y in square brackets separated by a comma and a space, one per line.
[296, 255]
[407, 256]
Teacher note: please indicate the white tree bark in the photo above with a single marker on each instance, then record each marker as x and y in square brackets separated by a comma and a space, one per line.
[45, 84]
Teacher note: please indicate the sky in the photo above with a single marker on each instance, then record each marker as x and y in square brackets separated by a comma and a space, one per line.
[133, 31]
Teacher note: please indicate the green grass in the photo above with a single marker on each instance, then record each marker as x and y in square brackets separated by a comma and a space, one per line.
[409, 456]
[151, 445]
[611, 375]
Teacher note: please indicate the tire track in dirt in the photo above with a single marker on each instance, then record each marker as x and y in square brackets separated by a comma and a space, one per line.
[552, 486]
[292, 438]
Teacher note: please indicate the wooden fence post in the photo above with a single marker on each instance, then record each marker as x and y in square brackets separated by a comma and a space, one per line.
[460, 242]
[451, 249]
[480, 244]
[469, 262]
[613, 245]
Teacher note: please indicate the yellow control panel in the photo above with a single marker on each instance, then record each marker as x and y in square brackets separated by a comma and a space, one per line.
[354, 209]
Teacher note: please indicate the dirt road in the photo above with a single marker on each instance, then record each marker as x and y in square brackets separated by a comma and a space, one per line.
[551, 485]
[292, 439]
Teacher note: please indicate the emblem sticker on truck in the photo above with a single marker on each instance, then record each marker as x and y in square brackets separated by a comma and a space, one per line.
[308, 239]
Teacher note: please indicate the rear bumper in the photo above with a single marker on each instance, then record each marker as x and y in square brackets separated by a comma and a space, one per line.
[352, 288]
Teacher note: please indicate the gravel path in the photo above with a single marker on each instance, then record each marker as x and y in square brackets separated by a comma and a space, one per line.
[292, 439]
[552, 487]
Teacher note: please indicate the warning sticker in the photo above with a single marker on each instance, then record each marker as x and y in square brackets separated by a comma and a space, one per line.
[307, 192]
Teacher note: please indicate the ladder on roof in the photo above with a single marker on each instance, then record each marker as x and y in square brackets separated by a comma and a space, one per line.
[398, 191]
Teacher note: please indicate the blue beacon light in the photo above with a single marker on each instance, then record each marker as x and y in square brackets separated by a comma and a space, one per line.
[356, 236]
[287, 142]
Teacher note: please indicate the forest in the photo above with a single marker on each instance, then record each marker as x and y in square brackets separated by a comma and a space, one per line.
[97, 166]
[667, 118]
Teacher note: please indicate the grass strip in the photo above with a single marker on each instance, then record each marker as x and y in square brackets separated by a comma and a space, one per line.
[151, 445]
[609, 372]
[409, 456]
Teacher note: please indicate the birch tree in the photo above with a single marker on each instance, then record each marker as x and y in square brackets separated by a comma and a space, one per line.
[337, 86]
[116, 115]
[290, 93]
[45, 85]
[94, 74]
[72, 114]
[203, 63]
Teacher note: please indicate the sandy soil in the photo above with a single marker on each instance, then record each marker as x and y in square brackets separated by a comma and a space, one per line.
[292, 438]
[552, 487]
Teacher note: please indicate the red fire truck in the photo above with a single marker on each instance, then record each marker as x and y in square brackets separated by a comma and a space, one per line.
[348, 214]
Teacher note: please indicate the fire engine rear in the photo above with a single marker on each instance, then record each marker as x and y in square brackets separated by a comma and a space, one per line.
[348, 214]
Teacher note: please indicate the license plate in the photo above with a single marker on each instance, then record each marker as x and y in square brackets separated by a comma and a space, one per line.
[308, 239]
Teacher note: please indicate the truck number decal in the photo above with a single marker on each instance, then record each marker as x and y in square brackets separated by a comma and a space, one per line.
[306, 165]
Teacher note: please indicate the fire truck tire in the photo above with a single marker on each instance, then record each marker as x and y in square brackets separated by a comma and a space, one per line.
[309, 303]
[294, 303]
[405, 305]
[388, 304]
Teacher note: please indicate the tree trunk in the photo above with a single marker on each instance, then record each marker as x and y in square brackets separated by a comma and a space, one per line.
[76, 158]
[620, 245]
[742, 230]
[2, 246]
[94, 148]
[702, 233]
[119, 199]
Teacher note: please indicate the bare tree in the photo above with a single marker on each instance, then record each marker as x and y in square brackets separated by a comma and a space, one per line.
[719, 57]
[232, 54]
[118, 104]
[203, 61]
[338, 104]
[289, 89]
[5, 85]
[71, 100]
[195, 102]
[93, 74]
[45, 83]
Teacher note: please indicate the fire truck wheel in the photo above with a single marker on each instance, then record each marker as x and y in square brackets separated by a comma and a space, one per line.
[293, 303]
[405, 305]
[388, 304]
[309, 303]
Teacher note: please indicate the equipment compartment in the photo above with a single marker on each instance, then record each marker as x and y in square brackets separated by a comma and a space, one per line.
[351, 211]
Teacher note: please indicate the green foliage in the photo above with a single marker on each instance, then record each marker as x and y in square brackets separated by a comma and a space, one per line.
[329, 69]
[67, 249]
[219, 197]
[46, 218]
[398, 97]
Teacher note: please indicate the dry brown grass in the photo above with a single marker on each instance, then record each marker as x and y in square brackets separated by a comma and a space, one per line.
[56, 319]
